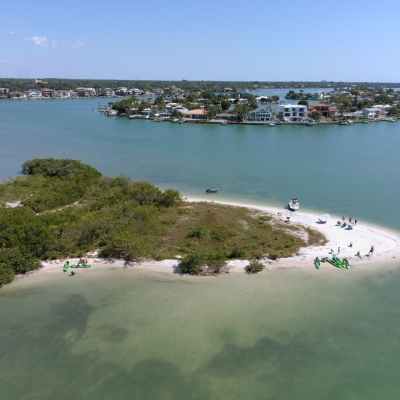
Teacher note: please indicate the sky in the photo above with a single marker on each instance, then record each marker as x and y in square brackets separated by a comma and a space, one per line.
[299, 40]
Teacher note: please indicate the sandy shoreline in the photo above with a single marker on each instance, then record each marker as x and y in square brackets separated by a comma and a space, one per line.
[386, 242]
[363, 235]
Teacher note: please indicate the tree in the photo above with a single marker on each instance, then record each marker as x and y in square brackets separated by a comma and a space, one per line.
[254, 267]
[6, 274]
[303, 103]
[51, 167]
[212, 111]
[316, 115]
[198, 263]
[123, 245]
[242, 110]
[191, 264]
[18, 261]
[170, 198]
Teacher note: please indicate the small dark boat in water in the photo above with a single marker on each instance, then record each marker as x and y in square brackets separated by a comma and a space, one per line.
[211, 190]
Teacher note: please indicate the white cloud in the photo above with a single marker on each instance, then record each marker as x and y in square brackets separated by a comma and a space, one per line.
[77, 44]
[41, 41]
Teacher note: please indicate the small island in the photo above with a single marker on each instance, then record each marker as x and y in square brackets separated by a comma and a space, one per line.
[62, 212]
[63, 208]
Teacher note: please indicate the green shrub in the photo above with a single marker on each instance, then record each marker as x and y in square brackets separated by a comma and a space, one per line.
[192, 264]
[254, 267]
[170, 198]
[123, 246]
[6, 274]
[198, 233]
[236, 252]
[18, 261]
[197, 264]
[52, 167]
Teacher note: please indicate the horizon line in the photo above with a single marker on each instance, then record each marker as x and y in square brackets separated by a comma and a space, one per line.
[324, 81]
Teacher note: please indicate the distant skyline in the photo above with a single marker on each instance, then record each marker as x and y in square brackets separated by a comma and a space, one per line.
[210, 40]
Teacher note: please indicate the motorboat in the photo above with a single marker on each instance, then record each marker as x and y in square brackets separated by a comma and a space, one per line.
[294, 204]
[211, 190]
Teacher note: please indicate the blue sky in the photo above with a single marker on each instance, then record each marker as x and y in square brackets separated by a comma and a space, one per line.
[218, 40]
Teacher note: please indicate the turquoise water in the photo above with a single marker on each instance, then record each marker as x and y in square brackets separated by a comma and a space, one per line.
[129, 334]
[351, 170]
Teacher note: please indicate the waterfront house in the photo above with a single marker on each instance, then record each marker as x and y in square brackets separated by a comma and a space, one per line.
[374, 112]
[4, 92]
[62, 94]
[106, 92]
[326, 110]
[135, 92]
[85, 92]
[34, 94]
[121, 91]
[291, 112]
[173, 108]
[46, 92]
[262, 113]
[198, 114]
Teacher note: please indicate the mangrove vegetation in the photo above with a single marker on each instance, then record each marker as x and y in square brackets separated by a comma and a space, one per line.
[64, 208]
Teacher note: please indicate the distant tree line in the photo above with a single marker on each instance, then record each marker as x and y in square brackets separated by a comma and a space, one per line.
[19, 84]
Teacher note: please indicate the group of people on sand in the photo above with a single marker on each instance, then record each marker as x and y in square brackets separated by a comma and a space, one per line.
[370, 253]
[352, 220]
[358, 254]
[349, 222]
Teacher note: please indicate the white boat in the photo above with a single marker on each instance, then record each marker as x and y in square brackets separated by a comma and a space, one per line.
[111, 113]
[323, 219]
[294, 204]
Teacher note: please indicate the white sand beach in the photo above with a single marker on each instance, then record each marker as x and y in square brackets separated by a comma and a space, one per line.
[363, 235]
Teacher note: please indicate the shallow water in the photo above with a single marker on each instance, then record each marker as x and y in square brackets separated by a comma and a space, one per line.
[129, 334]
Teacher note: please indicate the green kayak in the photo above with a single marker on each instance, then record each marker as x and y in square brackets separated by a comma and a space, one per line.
[341, 263]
